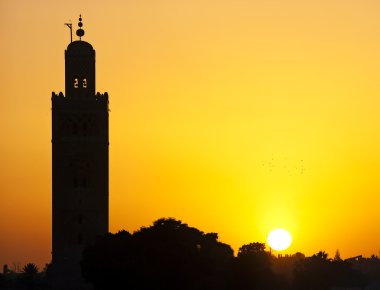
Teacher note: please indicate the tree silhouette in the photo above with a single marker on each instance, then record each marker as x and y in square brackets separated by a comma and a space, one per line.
[29, 276]
[5, 269]
[257, 249]
[253, 269]
[108, 263]
[30, 269]
[3, 281]
[167, 255]
[318, 272]
[170, 255]
[337, 256]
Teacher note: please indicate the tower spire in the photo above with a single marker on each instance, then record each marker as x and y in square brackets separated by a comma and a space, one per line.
[80, 31]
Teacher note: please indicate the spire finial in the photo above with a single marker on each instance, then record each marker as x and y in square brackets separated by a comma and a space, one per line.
[80, 31]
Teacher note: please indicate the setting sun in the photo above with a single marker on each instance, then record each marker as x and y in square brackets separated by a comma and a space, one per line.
[279, 239]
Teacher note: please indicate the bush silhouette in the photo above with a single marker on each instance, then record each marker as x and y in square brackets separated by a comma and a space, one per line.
[167, 255]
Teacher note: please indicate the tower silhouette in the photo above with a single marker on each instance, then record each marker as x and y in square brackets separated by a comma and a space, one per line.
[79, 164]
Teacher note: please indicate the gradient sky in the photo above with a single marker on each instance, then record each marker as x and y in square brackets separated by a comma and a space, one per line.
[235, 116]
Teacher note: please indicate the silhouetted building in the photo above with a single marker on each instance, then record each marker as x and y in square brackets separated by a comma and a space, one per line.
[79, 164]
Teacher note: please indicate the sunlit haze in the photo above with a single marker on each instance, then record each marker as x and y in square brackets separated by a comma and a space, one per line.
[234, 116]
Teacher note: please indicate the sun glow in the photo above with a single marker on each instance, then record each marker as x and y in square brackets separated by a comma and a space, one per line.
[279, 239]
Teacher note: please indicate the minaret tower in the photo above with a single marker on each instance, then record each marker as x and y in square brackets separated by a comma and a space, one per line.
[79, 164]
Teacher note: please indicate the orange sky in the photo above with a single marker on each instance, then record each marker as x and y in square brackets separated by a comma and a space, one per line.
[234, 116]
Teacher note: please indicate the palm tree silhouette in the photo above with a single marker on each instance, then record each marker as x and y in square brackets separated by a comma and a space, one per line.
[30, 269]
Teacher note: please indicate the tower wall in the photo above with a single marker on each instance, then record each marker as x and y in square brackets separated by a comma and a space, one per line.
[79, 166]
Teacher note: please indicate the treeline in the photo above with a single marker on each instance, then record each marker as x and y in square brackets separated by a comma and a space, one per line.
[170, 255]
[28, 277]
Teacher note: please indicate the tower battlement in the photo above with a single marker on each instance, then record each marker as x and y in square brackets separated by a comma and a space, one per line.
[97, 96]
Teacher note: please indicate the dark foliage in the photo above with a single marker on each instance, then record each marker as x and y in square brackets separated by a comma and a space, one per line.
[170, 255]
[3, 281]
[167, 255]
[30, 270]
[319, 272]
[252, 269]
[28, 278]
